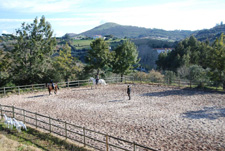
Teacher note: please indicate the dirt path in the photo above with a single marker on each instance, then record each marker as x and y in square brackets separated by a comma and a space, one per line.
[159, 117]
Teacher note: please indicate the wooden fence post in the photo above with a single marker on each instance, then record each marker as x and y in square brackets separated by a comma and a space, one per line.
[18, 90]
[78, 83]
[134, 146]
[190, 83]
[50, 129]
[24, 121]
[65, 129]
[36, 119]
[68, 84]
[179, 83]
[4, 91]
[32, 88]
[13, 112]
[84, 136]
[107, 142]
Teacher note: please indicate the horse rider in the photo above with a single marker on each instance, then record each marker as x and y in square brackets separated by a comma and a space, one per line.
[52, 84]
[97, 79]
[128, 91]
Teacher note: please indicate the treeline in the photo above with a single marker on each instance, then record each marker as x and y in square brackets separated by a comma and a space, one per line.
[195, 60]
[33, 57]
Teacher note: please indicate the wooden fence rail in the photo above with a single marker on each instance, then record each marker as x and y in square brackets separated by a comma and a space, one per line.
[87, 137]
[37, 87]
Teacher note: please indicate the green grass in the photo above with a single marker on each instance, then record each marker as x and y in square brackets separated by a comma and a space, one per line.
[43, 141]
[78, 43]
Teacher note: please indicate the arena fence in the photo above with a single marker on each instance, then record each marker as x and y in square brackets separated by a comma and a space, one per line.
[78, 83]
[38, 87]
[82, 135]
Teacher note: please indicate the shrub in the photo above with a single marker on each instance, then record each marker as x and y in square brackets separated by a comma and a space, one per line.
[155, 76]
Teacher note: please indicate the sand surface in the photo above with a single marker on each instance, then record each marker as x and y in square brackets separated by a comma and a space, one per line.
[159, 117]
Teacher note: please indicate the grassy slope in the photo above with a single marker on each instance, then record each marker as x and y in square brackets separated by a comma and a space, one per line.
[32, 140]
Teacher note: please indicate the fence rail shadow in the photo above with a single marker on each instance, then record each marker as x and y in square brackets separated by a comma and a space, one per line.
[82, 135]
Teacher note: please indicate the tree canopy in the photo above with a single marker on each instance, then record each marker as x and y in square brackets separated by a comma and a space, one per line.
[32, 51]
[125, 58]
[98, 56]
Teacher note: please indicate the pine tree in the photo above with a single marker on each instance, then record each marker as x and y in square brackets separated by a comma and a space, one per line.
[32, 52]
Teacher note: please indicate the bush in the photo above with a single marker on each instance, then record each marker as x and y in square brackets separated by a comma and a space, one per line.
[140, 75]
[169, 76]
[155, 76]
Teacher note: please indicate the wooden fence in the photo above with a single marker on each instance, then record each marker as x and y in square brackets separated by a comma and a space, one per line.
[38, 87]
[87, 137]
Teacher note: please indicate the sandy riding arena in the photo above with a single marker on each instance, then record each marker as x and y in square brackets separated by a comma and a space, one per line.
[159, 117]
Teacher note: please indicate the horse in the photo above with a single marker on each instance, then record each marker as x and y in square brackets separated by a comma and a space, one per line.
[50, 88]
[100, 81]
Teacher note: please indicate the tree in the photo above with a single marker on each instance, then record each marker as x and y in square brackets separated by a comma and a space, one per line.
[65, 63]
[216, 60]
[125, 58]
[5, 67]
[99, 56]
[32, 51]
[197, 74]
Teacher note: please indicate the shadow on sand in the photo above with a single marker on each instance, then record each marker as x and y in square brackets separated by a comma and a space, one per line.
[183, 92]
[116, 101]
[81, 89]
[211, 113]
[37, 96]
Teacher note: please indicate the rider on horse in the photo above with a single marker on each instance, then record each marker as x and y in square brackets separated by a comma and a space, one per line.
[51, 81]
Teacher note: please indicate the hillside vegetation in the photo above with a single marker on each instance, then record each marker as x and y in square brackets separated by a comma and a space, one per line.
[136, 32]
[210, 34]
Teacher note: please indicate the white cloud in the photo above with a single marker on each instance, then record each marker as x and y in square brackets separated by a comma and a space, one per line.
[169, 16]
[188, 14]
[16, 20]
[37, 6]
[5, 32]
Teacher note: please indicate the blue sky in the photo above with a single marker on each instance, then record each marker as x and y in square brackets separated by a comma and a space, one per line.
[76, 16]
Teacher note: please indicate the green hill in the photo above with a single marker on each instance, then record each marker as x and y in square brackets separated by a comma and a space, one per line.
[210, 34]
[122, 31]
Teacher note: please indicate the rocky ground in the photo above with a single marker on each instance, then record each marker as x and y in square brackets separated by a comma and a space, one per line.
[156, 116]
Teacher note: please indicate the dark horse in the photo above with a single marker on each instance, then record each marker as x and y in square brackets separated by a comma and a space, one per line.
[50, 87]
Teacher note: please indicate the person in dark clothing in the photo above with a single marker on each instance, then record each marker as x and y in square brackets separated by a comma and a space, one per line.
[51, 81]
[97, 79]
[128, 91]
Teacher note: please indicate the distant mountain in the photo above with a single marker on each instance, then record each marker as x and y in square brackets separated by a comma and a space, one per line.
[122, 31]
[210, 34]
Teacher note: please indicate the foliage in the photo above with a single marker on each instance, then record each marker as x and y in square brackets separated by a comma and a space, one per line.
[33, 51]
[99, 56]
[183, 72]
[169, 76]
[121, 31]
[140, 75]
[155, 76]
[186, 53]
[125, 58]
[196, 73]
[65, 64]
[5, 67]
[210, 34]
[148, 56]
[217, 60]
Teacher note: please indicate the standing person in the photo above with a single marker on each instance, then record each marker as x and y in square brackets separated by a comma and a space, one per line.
[128, 91]
[97, 78]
